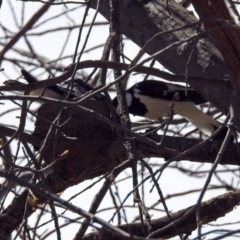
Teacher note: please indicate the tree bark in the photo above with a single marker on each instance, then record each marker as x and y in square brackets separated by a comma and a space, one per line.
[215, 14]
[143, 21]
[211, 210]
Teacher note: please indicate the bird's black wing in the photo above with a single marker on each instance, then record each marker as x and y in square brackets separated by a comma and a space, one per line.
[166, 91]
[80, 88]
[59, 90]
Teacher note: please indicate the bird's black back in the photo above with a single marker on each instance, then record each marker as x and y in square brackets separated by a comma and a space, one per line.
[157, 89]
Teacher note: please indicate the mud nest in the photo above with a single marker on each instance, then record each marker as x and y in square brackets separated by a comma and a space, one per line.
[93, 146]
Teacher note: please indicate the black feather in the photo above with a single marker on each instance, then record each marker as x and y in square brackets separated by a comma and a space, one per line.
[157, 89]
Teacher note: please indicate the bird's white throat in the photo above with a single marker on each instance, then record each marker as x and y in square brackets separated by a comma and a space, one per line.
[129, 99]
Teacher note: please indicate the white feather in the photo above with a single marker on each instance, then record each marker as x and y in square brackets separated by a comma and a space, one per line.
[158, 108]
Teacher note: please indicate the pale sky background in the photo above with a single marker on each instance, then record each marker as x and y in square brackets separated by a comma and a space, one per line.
[49, 46]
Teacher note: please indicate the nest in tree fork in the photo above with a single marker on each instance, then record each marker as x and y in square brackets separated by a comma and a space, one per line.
[93, 147]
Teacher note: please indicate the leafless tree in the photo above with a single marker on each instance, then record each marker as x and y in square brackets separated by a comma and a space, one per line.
[79, 143]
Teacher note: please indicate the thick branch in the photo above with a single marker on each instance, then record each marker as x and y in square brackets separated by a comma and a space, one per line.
[210, 211]
[117, 66]
[205, 154]
[226, 39]
[206, 60]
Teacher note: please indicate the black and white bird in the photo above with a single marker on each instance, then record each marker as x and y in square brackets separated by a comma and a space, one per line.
[79, 87]
[153, 99]
[55, 91]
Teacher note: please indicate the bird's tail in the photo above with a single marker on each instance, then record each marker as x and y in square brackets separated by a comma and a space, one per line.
[201, 120]
[205, 123]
